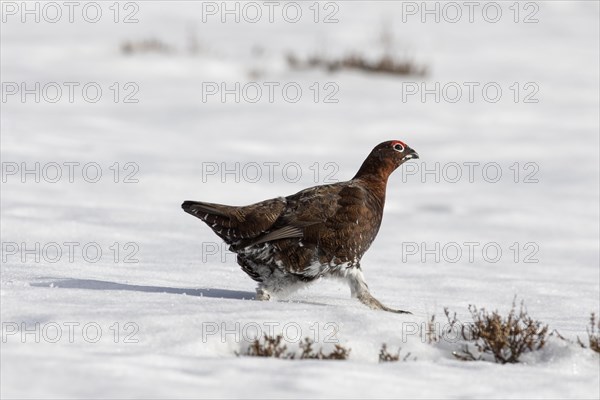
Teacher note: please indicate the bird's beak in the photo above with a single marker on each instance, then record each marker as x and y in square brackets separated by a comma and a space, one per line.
[413, 155]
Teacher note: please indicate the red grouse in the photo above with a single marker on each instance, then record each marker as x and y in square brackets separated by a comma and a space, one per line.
[321, 231]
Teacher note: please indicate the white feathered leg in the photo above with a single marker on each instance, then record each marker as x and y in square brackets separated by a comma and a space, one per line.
[360, 290]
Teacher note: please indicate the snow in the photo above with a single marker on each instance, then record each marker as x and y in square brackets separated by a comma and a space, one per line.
[188, 304]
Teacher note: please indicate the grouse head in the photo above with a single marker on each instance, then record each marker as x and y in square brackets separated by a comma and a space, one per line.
[384, 159]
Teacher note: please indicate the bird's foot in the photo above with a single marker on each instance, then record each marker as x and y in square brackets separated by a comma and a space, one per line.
[262, 295]
[367, 299]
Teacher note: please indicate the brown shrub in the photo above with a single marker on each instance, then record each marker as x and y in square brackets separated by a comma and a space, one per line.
[385, 64]
[269, 346]
[385, 356]
[505, 338]
[593, 333]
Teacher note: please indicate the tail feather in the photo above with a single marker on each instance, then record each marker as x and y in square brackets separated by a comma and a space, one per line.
[217, 216]
[197, 207]
[232, 223]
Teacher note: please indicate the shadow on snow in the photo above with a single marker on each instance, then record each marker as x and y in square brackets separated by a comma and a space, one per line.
[92, 284]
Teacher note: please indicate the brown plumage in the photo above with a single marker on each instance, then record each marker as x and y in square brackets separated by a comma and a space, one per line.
[320, 231]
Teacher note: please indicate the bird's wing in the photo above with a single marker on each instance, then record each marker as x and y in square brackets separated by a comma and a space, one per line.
[309, 207]
[286, 232]
[316, 215]
[336, 224]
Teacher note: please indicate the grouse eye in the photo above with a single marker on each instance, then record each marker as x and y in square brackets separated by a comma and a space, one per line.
[398, 147]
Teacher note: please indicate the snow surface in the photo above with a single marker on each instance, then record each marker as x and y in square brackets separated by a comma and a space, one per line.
[188, 315]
